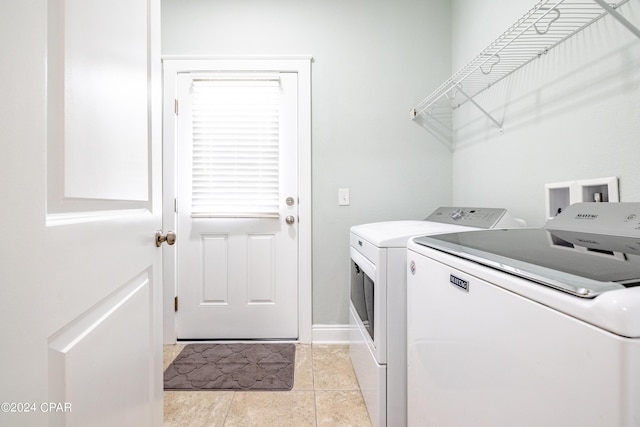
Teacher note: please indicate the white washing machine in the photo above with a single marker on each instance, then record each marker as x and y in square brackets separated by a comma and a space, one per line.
[379, 301]
[528, 327]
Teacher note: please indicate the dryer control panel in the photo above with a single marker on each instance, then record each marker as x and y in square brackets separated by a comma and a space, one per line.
[473, 217]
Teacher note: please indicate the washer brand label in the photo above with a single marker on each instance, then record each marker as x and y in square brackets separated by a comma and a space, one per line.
[588, 242]
[456, 281]
[586, 216]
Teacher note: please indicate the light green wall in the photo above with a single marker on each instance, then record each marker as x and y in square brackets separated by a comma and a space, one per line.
[373, 61]
[573, 114]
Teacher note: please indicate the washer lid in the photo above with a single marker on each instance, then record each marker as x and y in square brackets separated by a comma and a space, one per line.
[580, 264]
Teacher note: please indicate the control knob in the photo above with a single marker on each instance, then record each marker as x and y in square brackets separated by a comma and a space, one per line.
[457, 214]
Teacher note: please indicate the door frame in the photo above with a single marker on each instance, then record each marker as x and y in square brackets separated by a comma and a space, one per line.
[172, 65]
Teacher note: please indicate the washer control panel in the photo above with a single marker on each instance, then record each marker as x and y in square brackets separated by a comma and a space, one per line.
[470, 217]
[615, 219]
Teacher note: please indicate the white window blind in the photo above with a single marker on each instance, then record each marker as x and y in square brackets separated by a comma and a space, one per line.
[235, 165]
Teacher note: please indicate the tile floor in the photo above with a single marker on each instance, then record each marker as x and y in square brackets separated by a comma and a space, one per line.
[325, 393]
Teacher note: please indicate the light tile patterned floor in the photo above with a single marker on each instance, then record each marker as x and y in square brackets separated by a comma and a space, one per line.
[325, 394]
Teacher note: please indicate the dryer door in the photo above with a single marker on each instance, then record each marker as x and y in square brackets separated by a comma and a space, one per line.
[363, 297]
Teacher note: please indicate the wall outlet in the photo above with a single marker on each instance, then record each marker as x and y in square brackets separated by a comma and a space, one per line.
[343, 197]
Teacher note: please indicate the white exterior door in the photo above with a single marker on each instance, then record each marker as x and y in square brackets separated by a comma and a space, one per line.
[237, 205]
[80, 276]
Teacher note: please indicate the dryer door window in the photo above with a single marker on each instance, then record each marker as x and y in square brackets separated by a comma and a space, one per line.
[362, 296]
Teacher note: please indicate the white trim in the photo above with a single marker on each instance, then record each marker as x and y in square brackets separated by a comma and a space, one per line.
[332, 334]
[300, 64]
[166, 58]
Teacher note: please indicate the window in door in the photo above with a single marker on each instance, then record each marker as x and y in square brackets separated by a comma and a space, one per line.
[235, 136]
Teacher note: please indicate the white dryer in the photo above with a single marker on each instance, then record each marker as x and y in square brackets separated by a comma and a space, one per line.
[379, 301]
[528, 327]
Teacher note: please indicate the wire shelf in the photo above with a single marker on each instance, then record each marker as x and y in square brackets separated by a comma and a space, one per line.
[547, 24]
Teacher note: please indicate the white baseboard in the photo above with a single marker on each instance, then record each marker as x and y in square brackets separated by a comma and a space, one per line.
[331, 334]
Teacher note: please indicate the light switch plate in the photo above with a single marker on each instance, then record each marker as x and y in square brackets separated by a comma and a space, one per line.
[343, 197]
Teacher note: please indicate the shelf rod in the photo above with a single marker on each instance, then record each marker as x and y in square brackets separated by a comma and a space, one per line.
[619, 17]
[486, 113]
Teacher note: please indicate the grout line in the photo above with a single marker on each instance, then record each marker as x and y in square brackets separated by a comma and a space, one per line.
[313, 386]
[233, 397]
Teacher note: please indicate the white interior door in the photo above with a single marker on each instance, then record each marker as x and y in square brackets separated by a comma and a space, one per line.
[237, 208]
[80, 276]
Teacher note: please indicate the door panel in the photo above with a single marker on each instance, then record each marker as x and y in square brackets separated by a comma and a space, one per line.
[98, 149]
[80, 276]
[238, 276]
[215, 282]
[261, 269]
[103, 161]
[113, 335]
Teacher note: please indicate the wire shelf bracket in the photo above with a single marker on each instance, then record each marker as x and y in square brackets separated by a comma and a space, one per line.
[613, 12]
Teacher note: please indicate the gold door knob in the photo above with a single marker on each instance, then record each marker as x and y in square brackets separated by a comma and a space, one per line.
[170, 238]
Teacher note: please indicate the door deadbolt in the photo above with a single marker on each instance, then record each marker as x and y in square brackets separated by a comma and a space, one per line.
[170, 238]
[290, 201]
[290, 219]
